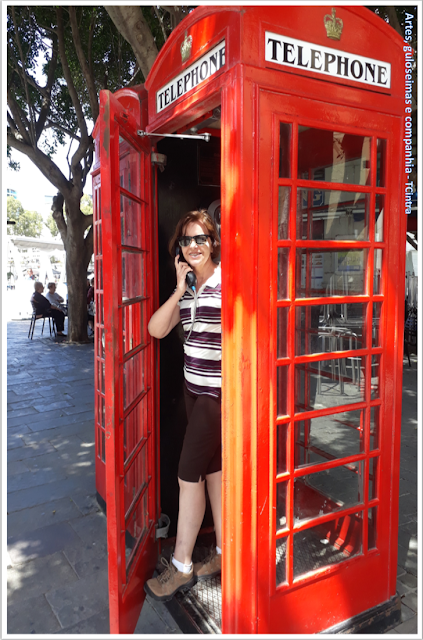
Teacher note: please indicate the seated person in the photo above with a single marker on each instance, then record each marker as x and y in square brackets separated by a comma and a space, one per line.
[54, 298]
[90, 305]
[43, 307]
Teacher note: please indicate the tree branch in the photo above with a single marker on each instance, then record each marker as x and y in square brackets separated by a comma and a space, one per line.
[58, 217]
[89, 245]
[160, 19]
[393, 20]
[88, 220]
[19, 116]
[84, 65]
[67, 74]
[130, 22]
[31, 128]
[47, 167]
[45, 108]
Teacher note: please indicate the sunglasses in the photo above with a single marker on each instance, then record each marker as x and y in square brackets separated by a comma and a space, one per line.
[185, 241]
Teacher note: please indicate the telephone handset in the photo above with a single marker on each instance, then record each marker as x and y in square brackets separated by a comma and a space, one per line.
[190, 278]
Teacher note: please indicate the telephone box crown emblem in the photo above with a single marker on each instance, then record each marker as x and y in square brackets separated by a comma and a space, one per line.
[333, 26]
[186, 47]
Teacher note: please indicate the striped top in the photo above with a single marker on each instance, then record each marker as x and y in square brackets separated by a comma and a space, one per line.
[203, 350]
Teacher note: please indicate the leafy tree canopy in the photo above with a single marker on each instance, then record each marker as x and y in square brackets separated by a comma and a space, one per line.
[28, 223]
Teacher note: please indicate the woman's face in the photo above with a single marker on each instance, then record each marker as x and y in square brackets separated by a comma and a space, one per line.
[197, 255]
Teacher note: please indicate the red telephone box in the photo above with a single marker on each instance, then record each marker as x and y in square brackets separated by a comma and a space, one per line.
[304, 107]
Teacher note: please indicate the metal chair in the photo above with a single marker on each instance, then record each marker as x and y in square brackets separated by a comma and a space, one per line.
[37, 316]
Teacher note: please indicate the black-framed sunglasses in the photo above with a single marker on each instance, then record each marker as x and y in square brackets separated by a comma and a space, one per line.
[185, 241]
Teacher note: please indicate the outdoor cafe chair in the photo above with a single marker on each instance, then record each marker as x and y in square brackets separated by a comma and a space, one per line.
[38, 316]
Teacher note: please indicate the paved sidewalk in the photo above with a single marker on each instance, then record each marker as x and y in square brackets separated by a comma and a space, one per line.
[57, 552]
[57, 555]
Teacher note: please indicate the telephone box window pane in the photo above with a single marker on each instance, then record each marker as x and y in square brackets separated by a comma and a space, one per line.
[372, 528]
[135, 478]
[283, 262]
[333, 156]
[332, 215]
[375, 378]
[379, 216]
[101, 343]
[133, 326]
[374, 428]
[136, 530]
[330, 273]
[281, 449]
[284, 150]
[103, 446]
[132, 275]
[324, 384]
[373, 479]
[129, 167]
[327, 544]
[281, 547]
[99, 244]
[133, 378]
[282, 391]
[99, 273]
[284, 200]
[282, 330]
[328, 328]
[135, 428]
[98, 308]
[377, 311]
[377, 275]
[328, 491]
[381, 163]
[328, 438]
[281, 521]
[130, 223]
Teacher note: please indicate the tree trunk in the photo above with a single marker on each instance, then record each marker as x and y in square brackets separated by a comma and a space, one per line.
[76, 274]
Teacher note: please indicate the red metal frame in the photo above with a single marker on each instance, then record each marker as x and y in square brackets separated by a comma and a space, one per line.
[255, 96]
[126, 355]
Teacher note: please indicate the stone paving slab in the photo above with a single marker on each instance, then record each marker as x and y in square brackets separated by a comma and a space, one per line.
[38, 577]
[41, 542]
[42, 515]
[80, 600]
[35, 617]
[33, 478]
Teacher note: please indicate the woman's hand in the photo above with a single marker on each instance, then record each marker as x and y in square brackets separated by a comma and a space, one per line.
[182, 269]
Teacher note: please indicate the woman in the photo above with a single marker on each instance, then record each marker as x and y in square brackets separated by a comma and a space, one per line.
[200, 459]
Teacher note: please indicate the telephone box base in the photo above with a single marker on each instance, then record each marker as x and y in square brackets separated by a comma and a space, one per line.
[199, 611]
[380, 619]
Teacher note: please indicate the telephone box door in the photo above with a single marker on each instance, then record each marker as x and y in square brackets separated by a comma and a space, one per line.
[124, 267]
[329, 203]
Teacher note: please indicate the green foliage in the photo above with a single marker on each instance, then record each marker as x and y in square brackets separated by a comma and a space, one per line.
[32, 36]
[52, 226]
[86, 205]
[28, 223]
